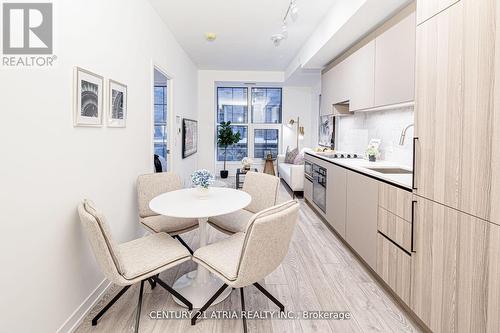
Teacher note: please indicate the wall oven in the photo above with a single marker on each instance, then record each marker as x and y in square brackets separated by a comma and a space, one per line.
[308, 170]
[319, 187]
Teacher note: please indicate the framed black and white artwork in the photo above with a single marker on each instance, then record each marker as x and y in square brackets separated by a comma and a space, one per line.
[117, 104]
[189, 137]
[88, 98]
[326, 130]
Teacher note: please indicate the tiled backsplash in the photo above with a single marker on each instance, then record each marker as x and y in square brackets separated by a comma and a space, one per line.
[354, 132]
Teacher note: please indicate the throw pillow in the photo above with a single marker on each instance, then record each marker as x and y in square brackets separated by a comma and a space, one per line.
[290, 156]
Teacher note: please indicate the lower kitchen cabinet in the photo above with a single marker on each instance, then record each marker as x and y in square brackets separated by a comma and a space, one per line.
[336, 198]
[455, 270]
[394, 267]
[395, 228]
[361, 216]
[308, 188]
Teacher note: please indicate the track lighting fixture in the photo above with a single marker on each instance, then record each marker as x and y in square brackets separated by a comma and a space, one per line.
[292, 12]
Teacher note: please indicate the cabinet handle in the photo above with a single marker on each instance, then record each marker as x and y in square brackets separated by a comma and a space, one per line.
[413, 203]
[415, 139]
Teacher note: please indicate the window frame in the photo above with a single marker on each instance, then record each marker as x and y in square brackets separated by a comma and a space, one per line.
[164, 123]
[251, 126]
[281, 104]
[217, 104]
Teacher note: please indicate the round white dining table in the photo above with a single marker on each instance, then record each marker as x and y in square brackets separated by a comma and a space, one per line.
[199, 285]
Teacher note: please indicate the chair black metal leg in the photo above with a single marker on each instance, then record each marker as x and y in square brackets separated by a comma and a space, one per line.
[243, 310]
[152, 283]
[208, 303]
[173, 292]
[106, 308]
[184, 243]
[139, 306]
[271, 297]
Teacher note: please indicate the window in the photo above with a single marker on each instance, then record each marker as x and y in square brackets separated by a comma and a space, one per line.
[160, 123]
[232, 105]
[260, 133]
[266, 105]
[265, 142]
[237, 151]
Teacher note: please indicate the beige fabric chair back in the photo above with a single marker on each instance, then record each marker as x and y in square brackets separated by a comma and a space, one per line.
[103, 246]
[263, 189]
[152, 185]
[267, 240]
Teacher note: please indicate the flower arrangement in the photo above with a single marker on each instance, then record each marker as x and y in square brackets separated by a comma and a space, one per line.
[246, 163]
[202, 178]
[372, 153]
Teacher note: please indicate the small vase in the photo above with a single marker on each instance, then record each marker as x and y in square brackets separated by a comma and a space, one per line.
[202, 192]
[372, 158]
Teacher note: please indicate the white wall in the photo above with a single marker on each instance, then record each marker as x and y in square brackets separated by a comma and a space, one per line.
[48, 166]
[297, 101]
[354, 133]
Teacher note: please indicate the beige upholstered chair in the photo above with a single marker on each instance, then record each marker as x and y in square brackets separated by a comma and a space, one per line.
[148, 187]
[247, 257]
[125, 264]
[263, 189]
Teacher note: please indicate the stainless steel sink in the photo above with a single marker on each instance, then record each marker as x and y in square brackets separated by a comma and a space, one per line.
[391, 170]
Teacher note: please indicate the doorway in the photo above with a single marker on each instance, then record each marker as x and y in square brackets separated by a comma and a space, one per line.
[161, 114]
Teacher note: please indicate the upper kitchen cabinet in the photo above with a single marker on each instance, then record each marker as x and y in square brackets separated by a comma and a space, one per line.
[457, 113]
[361, 77]
[378, 71]
[395, 63]
[428, 8]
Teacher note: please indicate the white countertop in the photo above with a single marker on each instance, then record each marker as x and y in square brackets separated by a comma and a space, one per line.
[362, 166]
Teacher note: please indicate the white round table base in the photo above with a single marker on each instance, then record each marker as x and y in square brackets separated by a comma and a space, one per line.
[198, 294]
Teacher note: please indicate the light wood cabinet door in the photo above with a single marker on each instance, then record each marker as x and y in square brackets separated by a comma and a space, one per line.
[428, 8]
[395, 200]
[336, 198]
[395, 228]
[458, 109]
[360, 80]
[395, 63]
[394, 267]
[361, 216]
[455, 267]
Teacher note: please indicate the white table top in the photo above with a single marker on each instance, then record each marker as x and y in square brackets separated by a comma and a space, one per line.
[186, 204]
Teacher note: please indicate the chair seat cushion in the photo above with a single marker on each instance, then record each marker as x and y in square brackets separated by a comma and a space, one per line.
[223, 256]
[143, 255]
[232, 222]
[170, 225]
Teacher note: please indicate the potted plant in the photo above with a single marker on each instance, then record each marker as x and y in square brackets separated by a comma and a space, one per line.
[226, 138]
[372, 153]
[202, 179]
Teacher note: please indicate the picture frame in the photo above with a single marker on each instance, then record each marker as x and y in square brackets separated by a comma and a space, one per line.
[88, 98]
[326, 130]
[117, 104]
[189, 137]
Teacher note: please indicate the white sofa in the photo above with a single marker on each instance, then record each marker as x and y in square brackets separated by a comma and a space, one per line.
[292, 174]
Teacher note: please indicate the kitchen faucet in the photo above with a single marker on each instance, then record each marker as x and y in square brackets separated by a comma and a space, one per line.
[403, 135]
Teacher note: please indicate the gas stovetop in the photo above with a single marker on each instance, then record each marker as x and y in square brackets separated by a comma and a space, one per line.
[346, 155]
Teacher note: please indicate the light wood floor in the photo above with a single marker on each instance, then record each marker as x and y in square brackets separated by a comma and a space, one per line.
[319, 273]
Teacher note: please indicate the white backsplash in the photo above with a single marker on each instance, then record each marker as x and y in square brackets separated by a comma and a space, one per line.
[354, 132]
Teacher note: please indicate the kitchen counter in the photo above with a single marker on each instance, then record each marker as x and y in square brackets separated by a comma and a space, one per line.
[363, 166]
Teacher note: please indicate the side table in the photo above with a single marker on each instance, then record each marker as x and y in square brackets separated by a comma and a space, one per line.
[239, 175]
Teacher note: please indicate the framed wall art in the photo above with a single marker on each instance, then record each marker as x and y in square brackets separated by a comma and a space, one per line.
[189, 137]
[117, 104]
[88, 98]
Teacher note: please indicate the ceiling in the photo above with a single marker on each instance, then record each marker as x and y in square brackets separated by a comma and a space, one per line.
[243, 29]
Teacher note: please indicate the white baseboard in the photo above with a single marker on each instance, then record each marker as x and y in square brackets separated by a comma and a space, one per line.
[72, 323]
